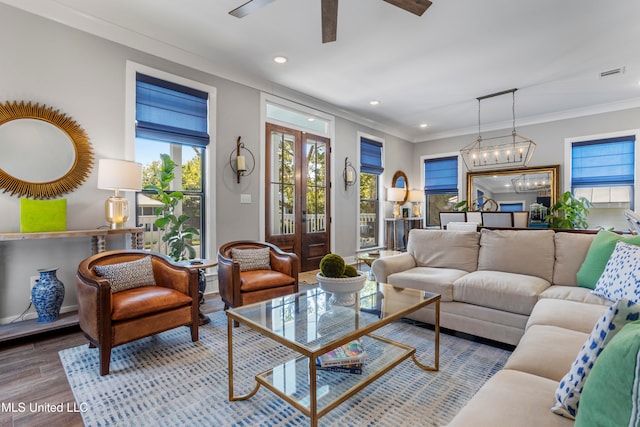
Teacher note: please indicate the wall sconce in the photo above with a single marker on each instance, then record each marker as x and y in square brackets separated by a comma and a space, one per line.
[118, 175]
[239, 163]
[348, 174]
[396, 195]
[415, 197]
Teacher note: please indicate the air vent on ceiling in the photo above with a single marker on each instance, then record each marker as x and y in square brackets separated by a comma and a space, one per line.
[611, 72]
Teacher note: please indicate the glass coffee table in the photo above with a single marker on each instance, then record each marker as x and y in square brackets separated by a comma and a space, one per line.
[308, 324]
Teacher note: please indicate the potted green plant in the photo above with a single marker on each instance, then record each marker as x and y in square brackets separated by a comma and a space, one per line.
[176, 231]
[339, 278]
[569, 212]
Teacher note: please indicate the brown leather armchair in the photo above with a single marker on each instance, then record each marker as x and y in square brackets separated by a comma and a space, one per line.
[240, 288]
[109, 319]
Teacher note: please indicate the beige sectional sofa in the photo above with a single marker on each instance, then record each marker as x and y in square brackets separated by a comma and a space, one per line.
[523, 393]
[513, 286]
[490, 280]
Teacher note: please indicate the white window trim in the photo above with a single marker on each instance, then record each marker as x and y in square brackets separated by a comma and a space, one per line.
[382, 235]
[210, 153]
[567, 157]
[266, 98]
[425, 157]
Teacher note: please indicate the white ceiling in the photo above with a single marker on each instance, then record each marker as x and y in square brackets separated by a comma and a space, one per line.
[427, 69]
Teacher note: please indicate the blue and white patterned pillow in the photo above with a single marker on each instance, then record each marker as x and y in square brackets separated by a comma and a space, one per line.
[621, 276]
[570, 387]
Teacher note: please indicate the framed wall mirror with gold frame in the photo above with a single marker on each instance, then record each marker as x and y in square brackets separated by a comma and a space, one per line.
[513, 187]
[45, 153]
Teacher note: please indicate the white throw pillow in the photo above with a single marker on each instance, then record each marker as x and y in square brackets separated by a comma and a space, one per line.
[621, 276]
[570, 387]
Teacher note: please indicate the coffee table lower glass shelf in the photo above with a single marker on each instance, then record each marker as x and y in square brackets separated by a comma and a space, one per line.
[308, 324]
[332, 388]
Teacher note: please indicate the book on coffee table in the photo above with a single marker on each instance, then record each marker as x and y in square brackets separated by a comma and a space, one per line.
[352, 368]
[347, 354]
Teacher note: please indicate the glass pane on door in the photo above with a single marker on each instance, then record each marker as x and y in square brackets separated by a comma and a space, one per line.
[316, 182]
[282, 183]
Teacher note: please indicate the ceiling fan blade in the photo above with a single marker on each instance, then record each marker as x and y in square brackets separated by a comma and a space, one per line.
[329, 20]
[417, 7]
[248, 7]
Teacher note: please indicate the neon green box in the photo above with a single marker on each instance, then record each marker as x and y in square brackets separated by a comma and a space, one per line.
[43, 215]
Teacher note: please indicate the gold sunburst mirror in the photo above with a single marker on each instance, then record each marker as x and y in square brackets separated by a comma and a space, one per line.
[45, 153]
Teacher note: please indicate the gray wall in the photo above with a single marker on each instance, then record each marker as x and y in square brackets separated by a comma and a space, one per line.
[84, 77]
[549, 138]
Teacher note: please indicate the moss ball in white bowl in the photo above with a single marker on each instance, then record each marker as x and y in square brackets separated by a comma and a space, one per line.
[343, 289]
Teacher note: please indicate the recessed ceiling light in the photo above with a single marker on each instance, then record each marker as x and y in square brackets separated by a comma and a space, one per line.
[280, 59]
[311, 119]
[423, 125]
[374, 102]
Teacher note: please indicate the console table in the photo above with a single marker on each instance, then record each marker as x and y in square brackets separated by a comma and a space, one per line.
[98, 236]
[394, 224]
[98, 244]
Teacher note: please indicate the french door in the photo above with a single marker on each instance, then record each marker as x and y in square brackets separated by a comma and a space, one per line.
[298, 194]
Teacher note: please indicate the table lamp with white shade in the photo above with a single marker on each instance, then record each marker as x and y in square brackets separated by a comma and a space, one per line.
[415, 197]
[118, 175]
[396, 195]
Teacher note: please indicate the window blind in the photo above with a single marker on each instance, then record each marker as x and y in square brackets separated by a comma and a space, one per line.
[441, 174]
[603, 162]
[370, 156]
[170, 112]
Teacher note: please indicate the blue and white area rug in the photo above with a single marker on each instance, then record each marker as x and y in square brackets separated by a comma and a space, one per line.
[167, 380]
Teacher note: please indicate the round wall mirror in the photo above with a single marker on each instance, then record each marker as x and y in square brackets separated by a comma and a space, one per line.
[400, 181]
[45, 153]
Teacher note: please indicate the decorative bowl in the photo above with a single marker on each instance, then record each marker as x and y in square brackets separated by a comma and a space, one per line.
[342, 289]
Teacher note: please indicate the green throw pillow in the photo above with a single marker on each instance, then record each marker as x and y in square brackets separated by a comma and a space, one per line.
[597, 256]
[43, 215]
[609, 396]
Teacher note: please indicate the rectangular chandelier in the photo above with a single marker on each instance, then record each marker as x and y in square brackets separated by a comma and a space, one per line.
[510, 151]
[499, 151]
[525, 184]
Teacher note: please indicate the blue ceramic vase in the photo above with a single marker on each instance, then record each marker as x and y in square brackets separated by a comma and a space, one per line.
[47, 295]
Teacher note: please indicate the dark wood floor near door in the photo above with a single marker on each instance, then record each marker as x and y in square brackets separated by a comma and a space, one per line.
[31, 372]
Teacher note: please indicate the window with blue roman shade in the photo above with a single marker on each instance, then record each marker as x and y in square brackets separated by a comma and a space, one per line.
[170, 112]
[440, 187]
[605, 162]
[603, 172]
[511, 207]
[370, 156]
[370, 209]
[441, 175]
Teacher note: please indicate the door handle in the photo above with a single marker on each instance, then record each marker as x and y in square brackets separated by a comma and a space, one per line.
[304, 216]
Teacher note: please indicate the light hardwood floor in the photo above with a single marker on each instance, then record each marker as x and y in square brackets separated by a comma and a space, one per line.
[31, 374]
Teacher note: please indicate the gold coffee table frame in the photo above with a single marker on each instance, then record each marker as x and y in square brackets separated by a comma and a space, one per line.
[397, 302]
